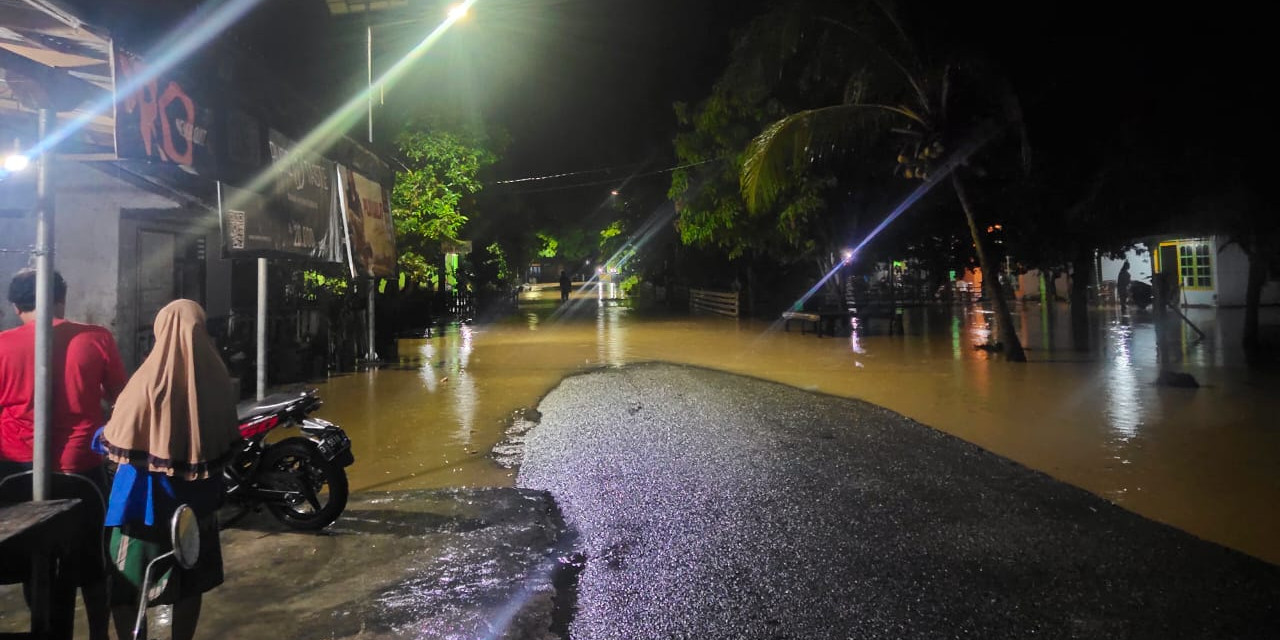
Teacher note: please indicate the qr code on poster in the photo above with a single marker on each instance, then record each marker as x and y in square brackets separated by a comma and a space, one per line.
[235, 228]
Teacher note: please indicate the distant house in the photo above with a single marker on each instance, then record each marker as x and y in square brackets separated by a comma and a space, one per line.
[1210, 271]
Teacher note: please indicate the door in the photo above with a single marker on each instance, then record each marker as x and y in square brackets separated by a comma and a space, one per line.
[157, 253]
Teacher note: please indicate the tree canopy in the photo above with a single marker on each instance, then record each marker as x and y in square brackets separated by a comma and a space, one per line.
[434, 195]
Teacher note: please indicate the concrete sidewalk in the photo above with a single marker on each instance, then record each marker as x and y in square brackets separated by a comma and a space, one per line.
[410, 564]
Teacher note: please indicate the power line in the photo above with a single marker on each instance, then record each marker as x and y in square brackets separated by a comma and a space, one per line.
[571, 173]
[597, 183]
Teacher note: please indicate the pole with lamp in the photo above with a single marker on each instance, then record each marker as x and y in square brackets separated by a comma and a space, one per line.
[456, 12]
[42, 391]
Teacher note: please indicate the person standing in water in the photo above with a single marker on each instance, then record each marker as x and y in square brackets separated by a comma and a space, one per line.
[565, 285]
[1122, 285]
[173, 429]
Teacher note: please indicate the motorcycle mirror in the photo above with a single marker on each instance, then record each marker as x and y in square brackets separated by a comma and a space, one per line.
[185, 533]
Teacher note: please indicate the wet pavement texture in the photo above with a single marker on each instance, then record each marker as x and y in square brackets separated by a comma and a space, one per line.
[717, 506]
[455, 564]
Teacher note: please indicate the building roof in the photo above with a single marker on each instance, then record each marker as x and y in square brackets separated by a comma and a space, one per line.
[344, 7]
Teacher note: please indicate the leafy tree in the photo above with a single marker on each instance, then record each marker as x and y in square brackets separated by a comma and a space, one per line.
[939, 109]
[435, 191]
[549, 247]
[710, 148]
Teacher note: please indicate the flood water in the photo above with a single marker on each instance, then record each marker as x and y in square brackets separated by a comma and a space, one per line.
[1205, 460]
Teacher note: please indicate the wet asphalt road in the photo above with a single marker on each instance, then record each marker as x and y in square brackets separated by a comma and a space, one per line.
[715, 506]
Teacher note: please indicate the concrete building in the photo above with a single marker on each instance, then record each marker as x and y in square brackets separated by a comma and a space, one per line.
[145, 143]
[1211, 271]
[125, 251]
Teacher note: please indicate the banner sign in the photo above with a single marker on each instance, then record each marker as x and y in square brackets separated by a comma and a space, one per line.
[300, 218]
[304, 201]
[157, 118]
[456, 246]
[370, 233]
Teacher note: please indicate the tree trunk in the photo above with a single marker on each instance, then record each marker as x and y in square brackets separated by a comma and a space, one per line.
[1081, 272]
[1252, 300]
[990, 279]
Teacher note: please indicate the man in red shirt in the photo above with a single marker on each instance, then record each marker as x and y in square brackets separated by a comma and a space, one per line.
[87, 372]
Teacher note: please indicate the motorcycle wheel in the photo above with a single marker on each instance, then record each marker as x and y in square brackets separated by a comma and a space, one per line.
[322, 483]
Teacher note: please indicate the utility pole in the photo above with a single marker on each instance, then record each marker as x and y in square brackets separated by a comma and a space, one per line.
[43, 392]
[262, 329]
[369, 70]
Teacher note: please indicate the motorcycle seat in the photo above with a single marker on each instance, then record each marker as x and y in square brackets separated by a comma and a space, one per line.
[266, 406]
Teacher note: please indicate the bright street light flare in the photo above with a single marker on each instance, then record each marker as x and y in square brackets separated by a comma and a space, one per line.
[457, 11]
[16, 162]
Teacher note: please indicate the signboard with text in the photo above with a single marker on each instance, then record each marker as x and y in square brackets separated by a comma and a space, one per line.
[300, 216]
[370, 234]
[304, 201]
[158, 118]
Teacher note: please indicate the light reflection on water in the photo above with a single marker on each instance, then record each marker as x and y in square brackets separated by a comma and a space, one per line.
[1124, 407]
[1203, 460]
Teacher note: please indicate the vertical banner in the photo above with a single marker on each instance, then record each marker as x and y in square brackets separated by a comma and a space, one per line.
[370, 233]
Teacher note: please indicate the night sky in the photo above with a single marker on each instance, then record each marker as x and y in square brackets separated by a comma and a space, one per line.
[581, 85]
[578, 85]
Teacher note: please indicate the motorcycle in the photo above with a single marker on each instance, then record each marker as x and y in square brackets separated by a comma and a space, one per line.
[302, 481]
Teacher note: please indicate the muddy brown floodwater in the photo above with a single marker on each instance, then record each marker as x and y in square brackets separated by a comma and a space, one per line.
[1204, 460]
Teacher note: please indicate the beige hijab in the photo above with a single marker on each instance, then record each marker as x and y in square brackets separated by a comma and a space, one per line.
[177, 414]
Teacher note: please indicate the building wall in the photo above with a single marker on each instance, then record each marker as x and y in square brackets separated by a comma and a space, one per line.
[1029, 285]
[87, 201]
[1231, 275]
[17, 235]
[1230, 269]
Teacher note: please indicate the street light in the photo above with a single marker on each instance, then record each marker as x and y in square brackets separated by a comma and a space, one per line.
[16, 162]
[455, 13]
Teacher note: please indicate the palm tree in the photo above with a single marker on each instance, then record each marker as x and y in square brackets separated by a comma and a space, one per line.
[935, 112]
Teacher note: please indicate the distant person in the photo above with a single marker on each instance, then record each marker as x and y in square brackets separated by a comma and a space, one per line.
[1122, 285]
[565, 285]
[172, 430]
[87, 372]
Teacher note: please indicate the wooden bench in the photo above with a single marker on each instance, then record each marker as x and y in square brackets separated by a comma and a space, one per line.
[822, 321]
[804, 318]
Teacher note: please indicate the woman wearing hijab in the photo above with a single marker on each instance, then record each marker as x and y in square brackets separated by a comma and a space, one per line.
[172, 429]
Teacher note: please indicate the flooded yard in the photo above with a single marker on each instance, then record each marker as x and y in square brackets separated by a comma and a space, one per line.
[1204, 460]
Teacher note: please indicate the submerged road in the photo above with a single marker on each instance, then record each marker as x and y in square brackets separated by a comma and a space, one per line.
[716, 506]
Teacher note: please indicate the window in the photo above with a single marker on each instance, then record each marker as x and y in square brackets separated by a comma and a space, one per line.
[1194, 268]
